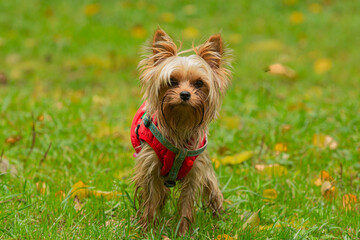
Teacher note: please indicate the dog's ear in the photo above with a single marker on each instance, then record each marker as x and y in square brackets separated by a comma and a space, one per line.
[218, 58]
[162, 46]
[212, 51]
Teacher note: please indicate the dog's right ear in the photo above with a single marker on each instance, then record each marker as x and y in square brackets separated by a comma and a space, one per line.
[162, 46]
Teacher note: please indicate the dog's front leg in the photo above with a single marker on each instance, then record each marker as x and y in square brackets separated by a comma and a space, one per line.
[190, 189]
[150, 190]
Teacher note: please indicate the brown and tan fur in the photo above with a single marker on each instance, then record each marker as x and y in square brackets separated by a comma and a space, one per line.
[164, 75]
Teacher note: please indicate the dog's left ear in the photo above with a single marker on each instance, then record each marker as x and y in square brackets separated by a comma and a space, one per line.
[212, 51]
[162, 46]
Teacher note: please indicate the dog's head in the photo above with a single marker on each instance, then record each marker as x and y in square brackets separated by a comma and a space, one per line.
[185, 91]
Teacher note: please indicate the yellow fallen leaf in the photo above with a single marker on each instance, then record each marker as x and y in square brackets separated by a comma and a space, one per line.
[40, 117]
[267, 227]
[298, 106]
[272, 169]
[81, 190]
[253, 220]
[60, 194]
[13, 139]
[328, 190]
[296, 17]
[270, 194]
[324, 141]
[315, 8]
[106, 195]
[281, 147]
[216, 163]
[191, 33]
[41, 187]
[224, 237]
[285, 128]
[349, 200]
[91, 9]
[237, 159]
[167, 17]
[324, 176]
[281, 70]
[138, 31]
[322, 65]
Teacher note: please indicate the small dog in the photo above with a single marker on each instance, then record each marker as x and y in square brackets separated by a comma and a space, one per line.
[182, 96]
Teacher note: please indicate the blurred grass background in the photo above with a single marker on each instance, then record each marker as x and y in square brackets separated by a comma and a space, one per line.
[72, 65]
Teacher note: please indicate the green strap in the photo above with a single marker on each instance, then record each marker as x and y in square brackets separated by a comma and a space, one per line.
[181, 154]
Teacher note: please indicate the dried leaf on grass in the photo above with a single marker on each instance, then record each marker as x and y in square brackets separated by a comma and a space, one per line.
[322, 65]
[270, 194]
[5, 167]
[324, 176]
[349, 201]
[285, 128]
[328, 190]
[281, 70]
[224, 237]
[281, 147]
[81, 191]
[191, 33]
[60, 194]
[296, 17]
[13, 139]
[138, 31]
[253, 220]
[41, 187]
[91, 9]
[237, 158]
[324, 141]
[271, 169]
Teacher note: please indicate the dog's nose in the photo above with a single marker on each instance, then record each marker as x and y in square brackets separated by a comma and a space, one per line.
[185, 95]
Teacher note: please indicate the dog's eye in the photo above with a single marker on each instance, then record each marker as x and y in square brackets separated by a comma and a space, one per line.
[173, 82]
[198, 83]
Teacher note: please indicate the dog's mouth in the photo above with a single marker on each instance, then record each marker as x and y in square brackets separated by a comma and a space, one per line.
[182, 114]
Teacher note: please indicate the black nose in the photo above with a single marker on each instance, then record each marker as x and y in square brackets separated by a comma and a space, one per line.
[185, 95]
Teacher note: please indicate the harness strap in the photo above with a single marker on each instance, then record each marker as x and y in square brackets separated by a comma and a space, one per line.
[181, 154]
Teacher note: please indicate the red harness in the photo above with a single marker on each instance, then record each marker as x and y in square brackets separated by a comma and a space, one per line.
[140, 133]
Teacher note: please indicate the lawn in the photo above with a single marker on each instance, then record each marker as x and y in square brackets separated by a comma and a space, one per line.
[286, 145]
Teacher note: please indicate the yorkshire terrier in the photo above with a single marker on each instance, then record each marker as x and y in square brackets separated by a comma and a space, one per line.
[182, 95]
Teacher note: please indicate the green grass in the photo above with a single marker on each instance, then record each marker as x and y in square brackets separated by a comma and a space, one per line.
[79, 73]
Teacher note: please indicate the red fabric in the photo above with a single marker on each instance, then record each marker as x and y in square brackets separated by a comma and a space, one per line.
[165, 156]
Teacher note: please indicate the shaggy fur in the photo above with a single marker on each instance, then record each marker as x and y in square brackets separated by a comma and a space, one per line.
[164, 75]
